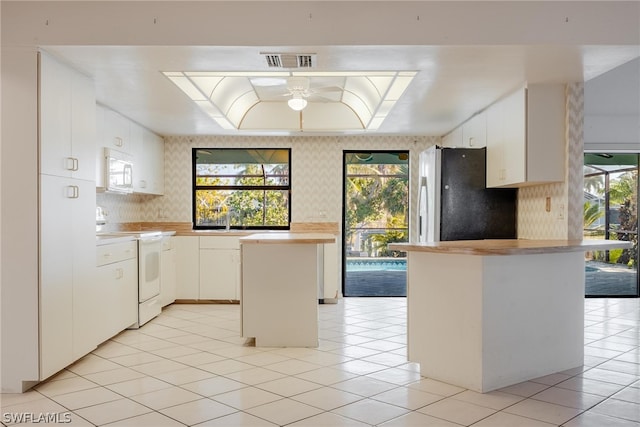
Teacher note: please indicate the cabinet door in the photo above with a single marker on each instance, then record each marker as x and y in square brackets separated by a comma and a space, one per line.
[56, 274]
[474, 131]
[187, 267]
[85, 299]
[453, 139]
[496, 172]
[55, 118]
[149, 160]
[83, 127]
[116, 132]
[515, 142]
[168, 277]
[117, 286]
[219, 274]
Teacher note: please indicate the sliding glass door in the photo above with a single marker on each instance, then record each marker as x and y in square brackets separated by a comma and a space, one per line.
[376, 213]
[611, 212]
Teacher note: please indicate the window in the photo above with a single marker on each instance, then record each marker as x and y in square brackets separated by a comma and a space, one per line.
[241, 188]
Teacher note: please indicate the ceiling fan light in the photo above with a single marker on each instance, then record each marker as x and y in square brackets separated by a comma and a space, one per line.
[297, 104]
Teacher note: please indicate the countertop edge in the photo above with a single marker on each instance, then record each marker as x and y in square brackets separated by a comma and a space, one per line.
[288, 238]
[509, 247]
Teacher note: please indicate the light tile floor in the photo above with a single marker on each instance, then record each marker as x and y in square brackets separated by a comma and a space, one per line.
[190, 367]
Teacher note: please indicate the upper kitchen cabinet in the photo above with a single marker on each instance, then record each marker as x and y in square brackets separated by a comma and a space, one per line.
[470, 134]
[114, 130]
[148, 156]
[119, 133]
[453, 139]
[474, 131]
[526, 137]
[67, 121]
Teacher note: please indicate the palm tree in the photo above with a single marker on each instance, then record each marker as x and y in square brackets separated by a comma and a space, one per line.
[592, 213]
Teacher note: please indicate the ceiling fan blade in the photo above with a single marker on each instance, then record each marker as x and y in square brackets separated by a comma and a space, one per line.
[326, 89]
[325, 97]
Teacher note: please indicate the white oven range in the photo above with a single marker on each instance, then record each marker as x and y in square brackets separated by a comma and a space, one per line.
[149, 251]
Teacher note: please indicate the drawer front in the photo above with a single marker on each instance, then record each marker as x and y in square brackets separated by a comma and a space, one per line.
[107, 254]
[220, 242]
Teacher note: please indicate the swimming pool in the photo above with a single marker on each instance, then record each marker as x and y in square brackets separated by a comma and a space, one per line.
[376, 277]
[376, 264]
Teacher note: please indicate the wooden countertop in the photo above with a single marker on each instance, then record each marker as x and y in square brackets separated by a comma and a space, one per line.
[288, 238]
[509, 246]
[186, 228]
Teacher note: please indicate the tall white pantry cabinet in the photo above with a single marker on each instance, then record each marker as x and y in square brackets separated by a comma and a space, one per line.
[67, 211]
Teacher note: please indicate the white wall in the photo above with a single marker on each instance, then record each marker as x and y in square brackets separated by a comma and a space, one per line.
[19, 226]
[612, 109]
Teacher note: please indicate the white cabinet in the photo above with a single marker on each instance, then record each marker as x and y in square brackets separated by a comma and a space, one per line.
[67, 271]
[148, 156]
[187, 267]
[116, 288]
[67, 122]
[219, 267]
[114, 130]
[167, 271]
[470, 134]
[453, 139]
[67, 215]
[122, 134]
[526, 137]
[474, 131]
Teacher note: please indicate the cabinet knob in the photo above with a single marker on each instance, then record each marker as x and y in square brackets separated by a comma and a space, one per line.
[118, 142]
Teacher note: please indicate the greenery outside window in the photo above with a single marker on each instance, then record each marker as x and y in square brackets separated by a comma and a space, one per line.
[241, 188]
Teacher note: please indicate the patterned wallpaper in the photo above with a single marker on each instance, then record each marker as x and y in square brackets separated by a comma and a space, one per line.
[316, 178]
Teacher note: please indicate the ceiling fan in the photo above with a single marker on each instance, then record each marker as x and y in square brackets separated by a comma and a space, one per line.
[299, 88]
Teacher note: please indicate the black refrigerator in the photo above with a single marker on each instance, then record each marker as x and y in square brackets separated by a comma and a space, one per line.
[454, 201]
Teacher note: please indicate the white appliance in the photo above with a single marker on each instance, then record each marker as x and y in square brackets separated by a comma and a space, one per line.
[118, 171]
[149, 251]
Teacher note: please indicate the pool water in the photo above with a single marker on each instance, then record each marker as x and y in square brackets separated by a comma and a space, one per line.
[377, 264]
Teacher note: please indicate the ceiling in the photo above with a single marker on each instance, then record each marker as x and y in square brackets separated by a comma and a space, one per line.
[462, 56]
[452, 82]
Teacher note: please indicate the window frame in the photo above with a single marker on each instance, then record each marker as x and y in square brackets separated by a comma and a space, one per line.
[195, 188]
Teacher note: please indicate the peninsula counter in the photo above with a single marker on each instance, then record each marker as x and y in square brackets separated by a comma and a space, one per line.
[281, 273]
[486, 314]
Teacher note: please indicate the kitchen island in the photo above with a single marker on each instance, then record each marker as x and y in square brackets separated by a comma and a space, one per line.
[281, 274]
[486, 314]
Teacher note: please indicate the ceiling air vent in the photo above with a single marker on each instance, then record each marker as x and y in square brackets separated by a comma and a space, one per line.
[290, 60]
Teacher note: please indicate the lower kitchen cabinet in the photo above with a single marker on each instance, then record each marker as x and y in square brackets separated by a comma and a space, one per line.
[168, 271]
[117, 288]
[187, 267]
[220, 268]
[67, 271]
